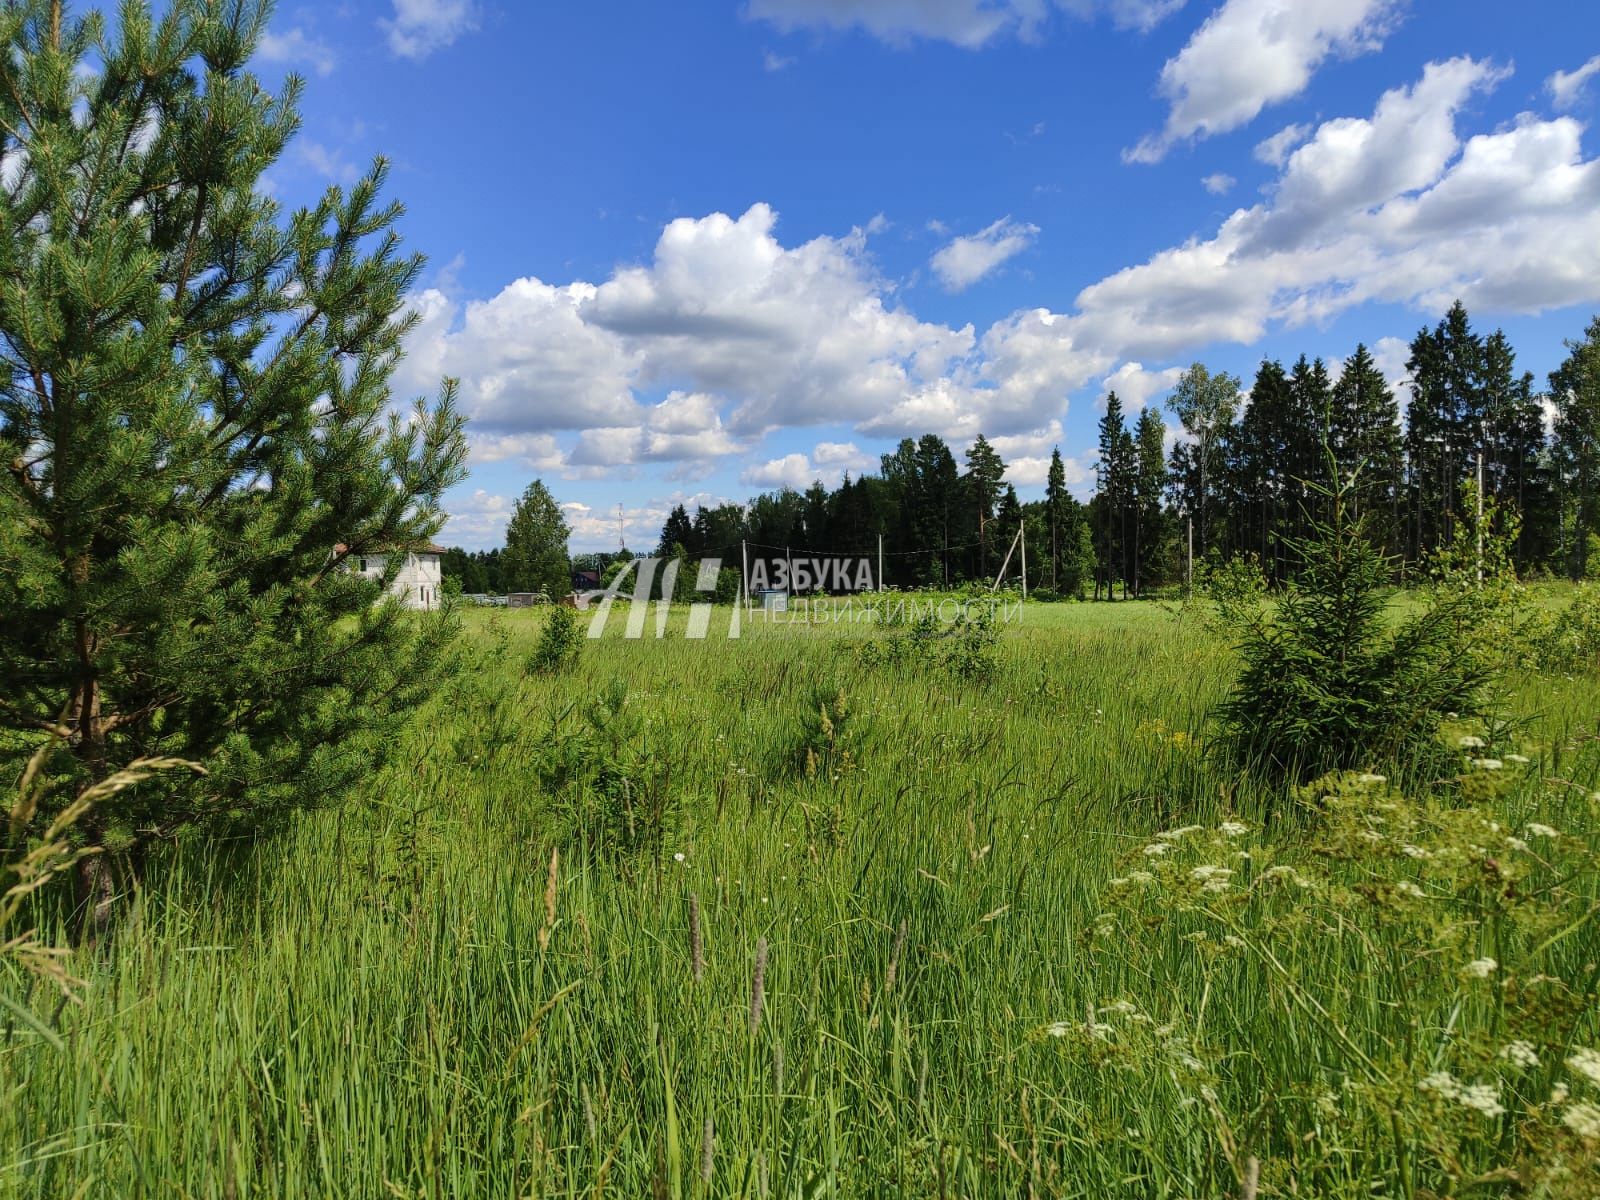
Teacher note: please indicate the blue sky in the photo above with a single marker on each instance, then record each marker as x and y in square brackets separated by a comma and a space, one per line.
[690, 251]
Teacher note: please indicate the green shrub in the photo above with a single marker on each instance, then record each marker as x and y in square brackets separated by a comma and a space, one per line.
[1329, 682]
[558, 644]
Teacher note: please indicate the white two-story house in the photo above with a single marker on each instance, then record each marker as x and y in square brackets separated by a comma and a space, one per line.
[420, 581]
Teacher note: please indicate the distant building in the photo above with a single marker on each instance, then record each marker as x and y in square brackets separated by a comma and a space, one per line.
[586, 581]
[419, 582]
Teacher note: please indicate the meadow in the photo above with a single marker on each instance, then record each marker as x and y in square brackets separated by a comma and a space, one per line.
[785, 916]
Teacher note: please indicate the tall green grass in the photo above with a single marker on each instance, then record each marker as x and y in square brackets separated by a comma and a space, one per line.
[394, 1000]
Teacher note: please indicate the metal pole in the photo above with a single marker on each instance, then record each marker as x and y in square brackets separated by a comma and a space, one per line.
[744, 573]
[880, 562]
[1480, 511]
[1189, 579]
[1022, 535]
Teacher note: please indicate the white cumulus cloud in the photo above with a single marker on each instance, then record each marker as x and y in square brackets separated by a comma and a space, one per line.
[296, 46]
[963, 261]
[419, 27]
[1565, 87]
[1252, 53]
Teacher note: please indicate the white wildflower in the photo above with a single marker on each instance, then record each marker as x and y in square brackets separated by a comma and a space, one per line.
[1406, 888]
[1058, 1028]
[1517, 843]
[1233, 828]
[680, 856]
[1559, 1093]
[1141, 877]
[1206, 872]
[1471, 742]
[1520, 1054]
[1586, 1062]
[1120, 1006]
[1519, 759]
[1415, 852]
[1481, 968]
[1369, 779]
[1173, 835]
[1442, 1082]
[1214, 885]
[1485, 1097]
[1371, 835]
[1583, 1120]
[1544, 831]
[1156, 848]
[1487, 764]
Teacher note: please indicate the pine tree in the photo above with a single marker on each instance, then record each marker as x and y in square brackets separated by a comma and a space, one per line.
[536, 557]
[197, 422]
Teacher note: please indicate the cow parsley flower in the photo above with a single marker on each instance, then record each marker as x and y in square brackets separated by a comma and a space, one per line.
[1583, 1120]
[1156, 848]
[1544, 831]
[1485, 1097]
[1233, 828]
[1204, 873]
[1487, 764]
[1586, 1062]
[1173, 835]
[1471, 742]
[1444, 1083]
[1370, 779]
[1415, 852]
[1406, 888]
[1519, 759]
[1520, 1054]
[1482, 968]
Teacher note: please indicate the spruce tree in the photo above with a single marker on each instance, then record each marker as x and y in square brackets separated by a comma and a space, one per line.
[1575, 391]
[198, 430]
[1149, 487]
[1364, 437]
[985, 473]
[1055, 495]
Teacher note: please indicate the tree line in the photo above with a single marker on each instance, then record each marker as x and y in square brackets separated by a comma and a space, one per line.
[1244, 477]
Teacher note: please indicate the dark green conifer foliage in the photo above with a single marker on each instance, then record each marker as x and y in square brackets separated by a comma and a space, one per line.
[1328, 681]
[196, 427]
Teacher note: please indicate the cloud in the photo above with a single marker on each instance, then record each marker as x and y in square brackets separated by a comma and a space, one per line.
[829, 462]
[963, 261]
[419, 27]
[296, 46]
[1136, 387]
[1390, 356]
[775, 62]
[967, 23]
[1252, 53]
[1276, 149]
[1218, 184]
[790, 471]
[476, 521]
[726, 333]
[327, 161]
[1566, 87]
